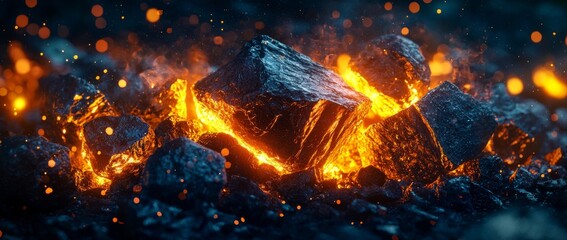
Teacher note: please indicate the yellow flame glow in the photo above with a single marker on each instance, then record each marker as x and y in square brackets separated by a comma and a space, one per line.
[440, 66]
[551, 84]
[216, 124]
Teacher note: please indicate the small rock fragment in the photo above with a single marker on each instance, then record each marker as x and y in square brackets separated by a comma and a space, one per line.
[115, 143]
[394, 65]
[512, 144]
[370, 176]
[184, 172]
[35, 173]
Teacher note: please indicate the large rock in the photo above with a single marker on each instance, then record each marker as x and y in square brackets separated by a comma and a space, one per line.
[35, 173]
[283, 103]
[184, 172]
[441, 131]
[115, 143]
[393, 65]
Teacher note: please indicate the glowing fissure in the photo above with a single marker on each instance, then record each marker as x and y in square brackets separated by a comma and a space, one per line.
[216, 124]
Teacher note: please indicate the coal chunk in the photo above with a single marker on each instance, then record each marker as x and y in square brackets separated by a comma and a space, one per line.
[390, 192]
[184, 172]
[35, 173]
[405, 148]
[394, 65]
[558, 157]
[370, 176]
[71, 98]
[116, 142]
[243, 197]
[298, 187]
[172, 128]
[529, 115]
[441, 131]
[462, 125]
[239, 160]
[513, 144]
[281, 102]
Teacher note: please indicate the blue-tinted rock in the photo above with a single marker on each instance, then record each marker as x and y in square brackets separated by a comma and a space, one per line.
[35, 174]
[184, 172]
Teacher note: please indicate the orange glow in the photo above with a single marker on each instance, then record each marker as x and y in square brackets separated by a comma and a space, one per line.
[3, 92]
[414, 7]
[218, 40]
[101, 45]
[44, 32]
[225, 152]
[136, 200]
[405, 31]
[536, 37]
[336, 14]
[100, 23]
[114, 219]
[23, 66]
[367, 22]
[515, 86]
[347, 23]
[48, 190]
[19, 104]
[109, 131]
[551, 84]
[388, 6]
[97, 10]
[22, 20]
[215, 123]
[259, 25]
[153, 15]
[31, 3]
[51, 163]
[440, 66]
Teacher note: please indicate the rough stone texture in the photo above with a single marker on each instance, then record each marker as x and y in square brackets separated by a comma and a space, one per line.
[239, 160]
[297, 188]
[184, 172]
[71, 98]
[529, 115]
[441, 131]
[392, 64]
[130, 138]
[282, 102]
[558, 157]
[172, 128]
[370, 176]
[512, 144]
[26, 174]
[405, 148]
[461, 124]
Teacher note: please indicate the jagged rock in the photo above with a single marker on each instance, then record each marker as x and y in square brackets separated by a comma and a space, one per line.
[558, 157]
[239, 160]
[115, 143]
[512, 144]
[35, 174]
[73, 99]
[393, 65]
[297, 188]
[281, 102]
[185, 173]
[172, 128]
[242, 197]
[441, 131]
[390, 192]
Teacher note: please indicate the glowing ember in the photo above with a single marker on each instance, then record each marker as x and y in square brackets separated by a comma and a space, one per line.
[551, 84]
[440, 66]
[515, 86]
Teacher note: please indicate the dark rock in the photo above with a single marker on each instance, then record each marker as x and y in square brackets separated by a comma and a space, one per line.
[493, 173]
[35, 174]
[243, 197]
[297, 188]
[152, 218]
[512, 144]
[115, 143]
[454, 193]
[73, 99]
[529, 115]
[183, 172]
[404, 147]
[484, 200]
[390, 192]
[360, 209]
[283, 103]
[394, 65]
[443, 130]
[461, 125]
[523, 178]
[171, 128]
[240, 161]
[370, 176]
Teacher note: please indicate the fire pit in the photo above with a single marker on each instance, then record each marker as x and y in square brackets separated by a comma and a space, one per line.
[176, 120]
